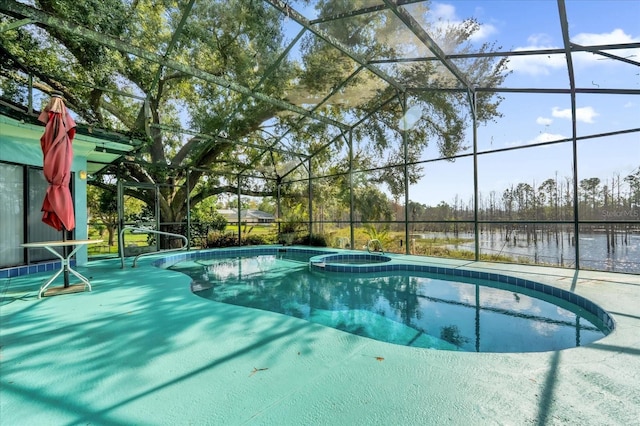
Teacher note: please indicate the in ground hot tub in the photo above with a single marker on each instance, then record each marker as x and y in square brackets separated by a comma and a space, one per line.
[348, 261]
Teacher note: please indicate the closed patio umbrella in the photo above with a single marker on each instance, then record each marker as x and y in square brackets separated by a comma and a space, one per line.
[60, 128]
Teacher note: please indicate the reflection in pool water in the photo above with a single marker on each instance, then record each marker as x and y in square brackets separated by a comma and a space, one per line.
[408, 308]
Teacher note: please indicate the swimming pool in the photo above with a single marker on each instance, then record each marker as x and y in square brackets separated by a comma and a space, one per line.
[399, 303]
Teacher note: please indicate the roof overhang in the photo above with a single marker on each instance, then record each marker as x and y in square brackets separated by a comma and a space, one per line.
[101, 148]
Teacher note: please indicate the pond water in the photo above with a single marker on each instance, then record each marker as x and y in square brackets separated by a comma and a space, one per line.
[561, 251]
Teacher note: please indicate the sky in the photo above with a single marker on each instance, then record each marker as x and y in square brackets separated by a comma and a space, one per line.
[533, 118]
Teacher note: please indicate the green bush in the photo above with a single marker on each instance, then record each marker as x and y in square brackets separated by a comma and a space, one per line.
[314, 240]
[215, 240]
[254, 240]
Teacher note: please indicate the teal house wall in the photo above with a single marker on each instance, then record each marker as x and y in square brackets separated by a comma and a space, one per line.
[20, 144]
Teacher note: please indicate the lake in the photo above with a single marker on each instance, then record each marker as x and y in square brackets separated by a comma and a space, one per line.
[560, 252]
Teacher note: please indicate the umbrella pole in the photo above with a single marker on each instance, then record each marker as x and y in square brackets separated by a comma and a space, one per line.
[66, 264]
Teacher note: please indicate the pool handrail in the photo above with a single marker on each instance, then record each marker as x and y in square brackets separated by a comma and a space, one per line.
[148, 231]
[372, 242]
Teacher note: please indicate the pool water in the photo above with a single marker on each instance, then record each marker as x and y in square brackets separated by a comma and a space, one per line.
[407, 308]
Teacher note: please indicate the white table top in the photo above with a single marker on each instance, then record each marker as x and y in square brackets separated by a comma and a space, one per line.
[60, 243]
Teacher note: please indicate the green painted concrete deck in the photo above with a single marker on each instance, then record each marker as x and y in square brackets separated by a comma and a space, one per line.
[142, 349]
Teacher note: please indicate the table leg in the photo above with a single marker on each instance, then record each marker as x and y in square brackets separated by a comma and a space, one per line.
[73, 271]
[44, 287]
[65, 266]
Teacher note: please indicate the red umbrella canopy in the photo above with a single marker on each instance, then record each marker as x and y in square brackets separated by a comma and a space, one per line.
[60, 128]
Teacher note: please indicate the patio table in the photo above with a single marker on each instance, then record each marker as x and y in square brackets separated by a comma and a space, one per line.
[65, 262]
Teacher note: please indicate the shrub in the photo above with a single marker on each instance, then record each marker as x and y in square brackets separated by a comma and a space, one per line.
[254, 240]
[314, 240]
[216, 239]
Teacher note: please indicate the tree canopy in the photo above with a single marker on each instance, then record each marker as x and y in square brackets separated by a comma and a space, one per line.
[223, 88]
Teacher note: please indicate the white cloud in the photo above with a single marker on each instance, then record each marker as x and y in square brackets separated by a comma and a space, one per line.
[539, 39]
[547, 137]
[541, 138]
[543, 121]
[616, 36]
[584, 114]
[561, 113]
[446, 12]
[536, 65]
[483, 33]
[629, 105]
[444, 15]
[543, 65]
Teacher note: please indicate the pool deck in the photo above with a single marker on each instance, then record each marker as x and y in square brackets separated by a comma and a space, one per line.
[142, 349]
